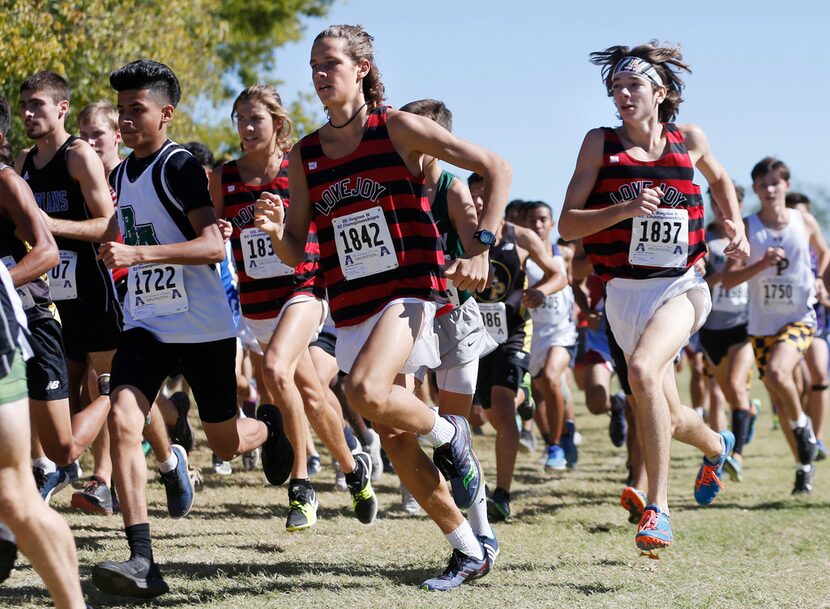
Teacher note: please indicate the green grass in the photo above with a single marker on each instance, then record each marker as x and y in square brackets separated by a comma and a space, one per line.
[568, 545]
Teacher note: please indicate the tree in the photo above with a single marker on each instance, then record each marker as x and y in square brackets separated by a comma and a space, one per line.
[204, 42]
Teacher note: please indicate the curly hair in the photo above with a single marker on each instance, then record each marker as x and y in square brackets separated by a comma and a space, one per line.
[268, 97]
[666, 59]
[358, 46]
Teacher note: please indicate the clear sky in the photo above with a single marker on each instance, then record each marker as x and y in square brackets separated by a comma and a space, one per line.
[517, 78]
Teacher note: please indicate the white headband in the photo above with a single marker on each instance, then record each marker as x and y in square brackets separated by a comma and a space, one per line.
[637, 67]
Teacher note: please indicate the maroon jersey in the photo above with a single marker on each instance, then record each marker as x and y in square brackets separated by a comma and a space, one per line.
[265, 284]
[378, 240]
[668, 242]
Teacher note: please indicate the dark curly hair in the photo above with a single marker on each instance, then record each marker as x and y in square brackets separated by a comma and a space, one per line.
[358, 46]
[666, 59]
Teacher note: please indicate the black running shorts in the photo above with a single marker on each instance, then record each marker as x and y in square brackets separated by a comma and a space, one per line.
[87, 330]
[716, 343]
[504, 367]
[46, 371]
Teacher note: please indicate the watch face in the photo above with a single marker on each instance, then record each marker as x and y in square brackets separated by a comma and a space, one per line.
[486, 237]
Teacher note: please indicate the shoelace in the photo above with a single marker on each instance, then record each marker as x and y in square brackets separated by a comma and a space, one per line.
[40, 477]
[649, 520]
[454, 565]
[708, 477]
[172, 481]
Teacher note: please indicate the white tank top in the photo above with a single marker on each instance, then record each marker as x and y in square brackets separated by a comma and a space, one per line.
[176, 303]
[783, 294]
[730, 308]
[556, 314]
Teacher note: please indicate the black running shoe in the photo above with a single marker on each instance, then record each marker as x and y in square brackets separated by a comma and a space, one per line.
[803, 482]
[618, 426]
[805, 441]
[95, 498]
[498, 505]
[135, 578]
[461, 569]
[302, 508]
[364, 502]
[8, 552]
[182, 431]
[277, 453]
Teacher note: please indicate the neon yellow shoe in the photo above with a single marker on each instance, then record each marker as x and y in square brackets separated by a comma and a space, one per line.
[302, 507]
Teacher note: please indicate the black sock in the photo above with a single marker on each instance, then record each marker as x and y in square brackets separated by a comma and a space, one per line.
[547, 438]
[740, 427]
[138, 538]
[304, 482]
[351, 441]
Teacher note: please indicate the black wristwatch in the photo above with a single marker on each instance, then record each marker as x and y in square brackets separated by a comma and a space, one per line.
[485, 237]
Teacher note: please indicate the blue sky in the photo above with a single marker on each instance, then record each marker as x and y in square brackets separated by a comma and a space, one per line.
[519, 82]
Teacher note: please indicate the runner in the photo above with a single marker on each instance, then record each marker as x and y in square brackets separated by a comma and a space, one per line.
[360, 178]
[633, 202]
[284, 306]
[177, 319]
[782, 288]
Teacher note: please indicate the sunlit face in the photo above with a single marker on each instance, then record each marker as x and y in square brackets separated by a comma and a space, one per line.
[477, 192]
[636, 98]
[141, 119]
[255, 126]
[771, 189]
[41, 114]
[101, 136]
[336, 77]
[539, 220]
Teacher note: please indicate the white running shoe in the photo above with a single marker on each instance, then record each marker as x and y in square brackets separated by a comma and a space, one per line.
[408, 502]
[339, 478]
[373, 450]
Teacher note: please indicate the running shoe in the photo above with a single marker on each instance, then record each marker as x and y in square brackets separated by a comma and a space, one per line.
[302, 508]
[250, 460]
[821, 450]
[803, 481]
[498, 505]
[634, 500]
[461, 569]
[277, 453]
[734, 468]
[373, 450]
[527, 441]
[654, 531]
[364, 502]
[177, 486]
[618, 426]
[458, 463]
[95, 498]
[708, 482]
[755, 405]
[136, 578]
[220, 466]
[805, 441]
[527, 408]
[182, 430]
[49, 483]
[409, 504]
[8, 552]
[339, 478]
[74, 474]
[569, 441]
[555, 461]
[313, 465]
[491, 547]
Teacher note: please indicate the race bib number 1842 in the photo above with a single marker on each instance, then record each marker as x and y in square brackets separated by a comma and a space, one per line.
[364, 245]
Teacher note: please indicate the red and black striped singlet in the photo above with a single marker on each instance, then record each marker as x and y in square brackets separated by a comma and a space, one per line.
[373, 176]
[621, 179]
[263, 298]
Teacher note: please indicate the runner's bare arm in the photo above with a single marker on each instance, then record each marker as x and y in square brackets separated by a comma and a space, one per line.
[19, 206]
[575, 221]
[818, 242]
[538, 251]
[206, 248]
[218, 199]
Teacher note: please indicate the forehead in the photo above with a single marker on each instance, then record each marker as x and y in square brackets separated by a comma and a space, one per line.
[251, 106]
[138, 97]
[45, 96]
[627, 78]
[539, 212]
[327, 47]
[94, 123]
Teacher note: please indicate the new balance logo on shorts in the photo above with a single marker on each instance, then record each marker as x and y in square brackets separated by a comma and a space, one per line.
[52, 385]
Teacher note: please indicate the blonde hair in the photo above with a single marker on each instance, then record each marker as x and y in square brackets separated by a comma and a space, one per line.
[102, 110]
[268, 97]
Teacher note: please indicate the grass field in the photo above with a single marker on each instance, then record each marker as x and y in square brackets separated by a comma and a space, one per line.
[568, 545]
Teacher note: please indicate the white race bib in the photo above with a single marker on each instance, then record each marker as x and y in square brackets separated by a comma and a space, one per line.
[553, 310]
[23, 292]
[494, 315]
[777, 295]
[259, 257]
[62, 280]
[660, 240]
[734, 300]
[364, 245]
[452, 292]
[156, 290]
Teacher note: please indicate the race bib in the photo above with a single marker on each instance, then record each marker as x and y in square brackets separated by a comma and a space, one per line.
[777, 295]
[23, 291]
[259, 257]
[734, 300]
[156, 290]
[494, 316]
[452, 292]
[552, 310]
[660, 240]
[62, 279]
[364, 245]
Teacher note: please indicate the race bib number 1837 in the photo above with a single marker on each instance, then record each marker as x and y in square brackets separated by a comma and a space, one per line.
[661, 239]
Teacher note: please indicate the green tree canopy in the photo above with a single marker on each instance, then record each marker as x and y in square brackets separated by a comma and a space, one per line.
[205, 42]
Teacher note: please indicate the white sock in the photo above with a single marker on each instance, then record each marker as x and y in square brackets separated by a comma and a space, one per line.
[45, 463]
[801, 421]
[442, 432]
[477, 514]
[464, 540]
[170, 464]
